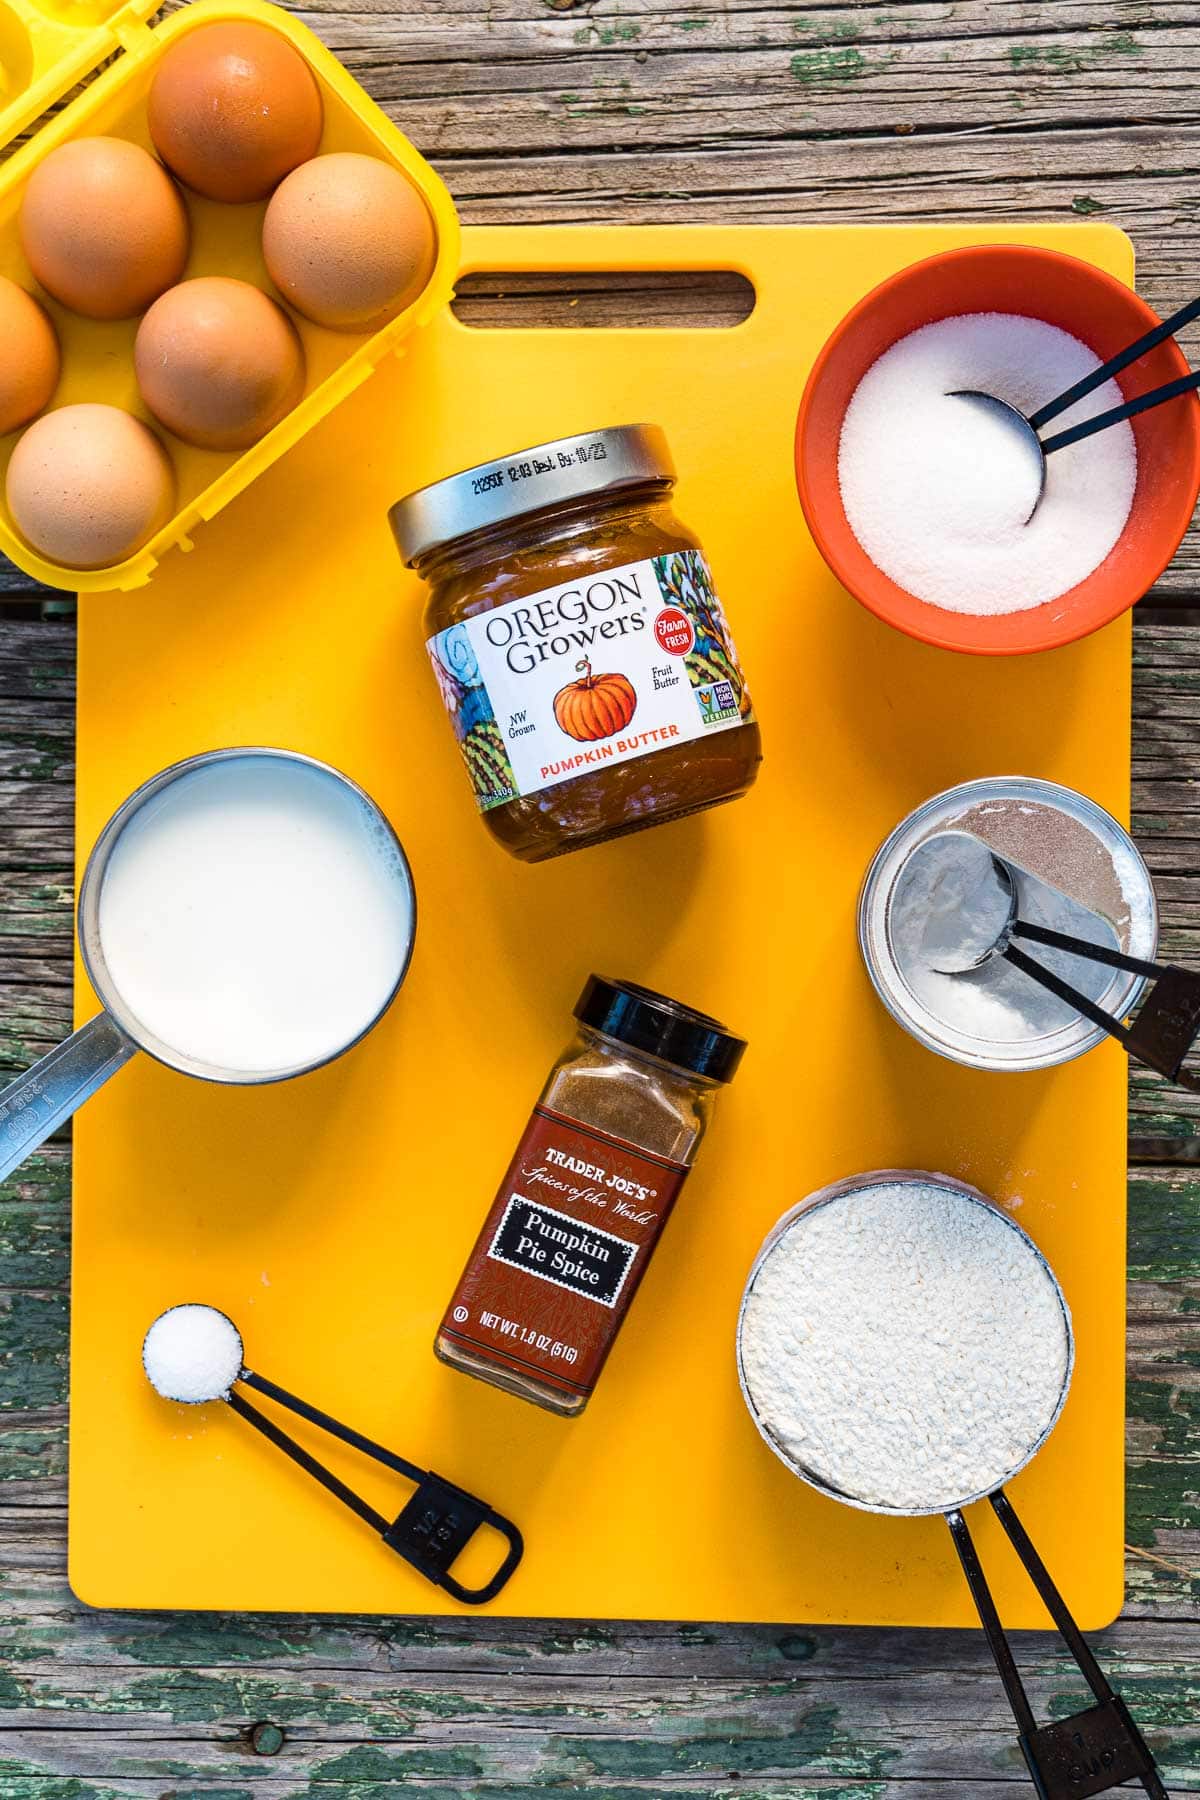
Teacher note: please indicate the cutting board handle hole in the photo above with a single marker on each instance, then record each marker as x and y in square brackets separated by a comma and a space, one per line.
[612, 299]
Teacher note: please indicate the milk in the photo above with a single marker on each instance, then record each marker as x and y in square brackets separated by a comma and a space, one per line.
[255, 915]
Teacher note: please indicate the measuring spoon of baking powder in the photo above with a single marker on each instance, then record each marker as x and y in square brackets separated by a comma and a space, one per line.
[964, 938]
[1026, 431]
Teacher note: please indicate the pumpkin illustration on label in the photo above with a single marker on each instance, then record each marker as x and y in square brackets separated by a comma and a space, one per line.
[595, 706]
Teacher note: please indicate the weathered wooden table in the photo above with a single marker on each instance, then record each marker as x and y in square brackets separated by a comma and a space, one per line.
[539, 110]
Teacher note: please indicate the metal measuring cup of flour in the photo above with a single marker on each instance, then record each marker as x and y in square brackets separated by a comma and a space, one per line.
[1090, 1751]
[1055, 841]
[45, 1095]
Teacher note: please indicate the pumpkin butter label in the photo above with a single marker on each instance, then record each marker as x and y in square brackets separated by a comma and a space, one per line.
[598, 671]
[562, 1251]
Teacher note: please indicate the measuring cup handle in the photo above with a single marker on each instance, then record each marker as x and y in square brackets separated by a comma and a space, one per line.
[1093, 1750]
[45, 1096]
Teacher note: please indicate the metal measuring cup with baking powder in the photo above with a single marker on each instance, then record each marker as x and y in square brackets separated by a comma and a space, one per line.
[42, 1098]
[1074, 867]
[1089, 1752]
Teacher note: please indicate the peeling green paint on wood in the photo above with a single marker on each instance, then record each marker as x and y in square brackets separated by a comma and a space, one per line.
[816, 1741]
[816, 68]
[33, 1359]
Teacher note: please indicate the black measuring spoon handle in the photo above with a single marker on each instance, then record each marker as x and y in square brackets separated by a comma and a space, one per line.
[1168, 1018]
[328, 1480]
[1090, 1752]
[1129, 409]
[334, 1427]
[1054, 984]
[1076, 946]
[1150, 340]
[430, 1532]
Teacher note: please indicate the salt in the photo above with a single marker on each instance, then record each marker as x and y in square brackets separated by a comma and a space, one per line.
[192, 1354]
[906, 1345]
[939, 492]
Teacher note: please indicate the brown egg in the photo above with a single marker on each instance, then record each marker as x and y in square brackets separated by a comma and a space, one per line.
[232, 108]
[29, 358]
[218, 362]
[104, 227]
[348, 241]
[88, 485]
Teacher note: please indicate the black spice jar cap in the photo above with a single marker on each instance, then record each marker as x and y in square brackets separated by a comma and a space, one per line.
[647, 1021]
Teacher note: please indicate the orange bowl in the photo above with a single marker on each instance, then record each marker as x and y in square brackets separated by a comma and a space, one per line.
[1080, 299]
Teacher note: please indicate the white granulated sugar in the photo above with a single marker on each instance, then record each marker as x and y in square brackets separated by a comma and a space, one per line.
[192, 1354]
[939, 492]
[939, 897]
[905, 1345]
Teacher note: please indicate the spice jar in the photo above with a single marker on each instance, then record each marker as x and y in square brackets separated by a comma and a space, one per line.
[581, 650]
[587, 1194]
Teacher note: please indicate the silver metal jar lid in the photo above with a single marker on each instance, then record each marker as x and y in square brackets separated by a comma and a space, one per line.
[525, 481]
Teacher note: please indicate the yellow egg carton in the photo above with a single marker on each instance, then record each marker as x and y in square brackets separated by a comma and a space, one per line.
[44, 50]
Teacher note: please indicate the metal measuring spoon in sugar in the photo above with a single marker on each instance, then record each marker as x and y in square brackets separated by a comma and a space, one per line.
[1025, 433]
[193, 1354]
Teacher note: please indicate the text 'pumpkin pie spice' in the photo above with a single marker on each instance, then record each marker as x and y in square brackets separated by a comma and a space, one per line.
[585, 1198]
[578, 641]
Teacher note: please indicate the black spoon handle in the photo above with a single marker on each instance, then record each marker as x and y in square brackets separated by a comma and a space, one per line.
[328, 1480]
[1086, 428]
[1097, 953]
[439, 1520]
[334, 1427]
[1115, 364]
[1063, 990]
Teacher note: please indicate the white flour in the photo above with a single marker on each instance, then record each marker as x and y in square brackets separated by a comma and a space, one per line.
[192, 1354]
[938, 491]
[906, 1345]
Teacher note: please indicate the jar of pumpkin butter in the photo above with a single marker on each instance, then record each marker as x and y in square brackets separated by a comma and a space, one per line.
[581, 650]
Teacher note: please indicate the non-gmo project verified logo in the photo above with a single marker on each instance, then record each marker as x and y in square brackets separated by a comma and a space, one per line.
[717, 702]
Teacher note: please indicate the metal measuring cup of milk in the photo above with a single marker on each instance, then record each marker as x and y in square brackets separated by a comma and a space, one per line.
[1093, 1750]
[45, 1095]
[1050, 838]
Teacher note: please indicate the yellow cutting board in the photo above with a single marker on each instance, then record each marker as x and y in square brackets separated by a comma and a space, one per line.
[330, 1216]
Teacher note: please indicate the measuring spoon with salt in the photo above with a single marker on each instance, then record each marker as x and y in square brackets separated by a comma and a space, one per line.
[193, 1354]
[964, 938]
[1027, 430]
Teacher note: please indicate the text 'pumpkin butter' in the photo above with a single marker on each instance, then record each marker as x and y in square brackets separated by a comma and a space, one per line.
[596, 706]
[546, 565]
